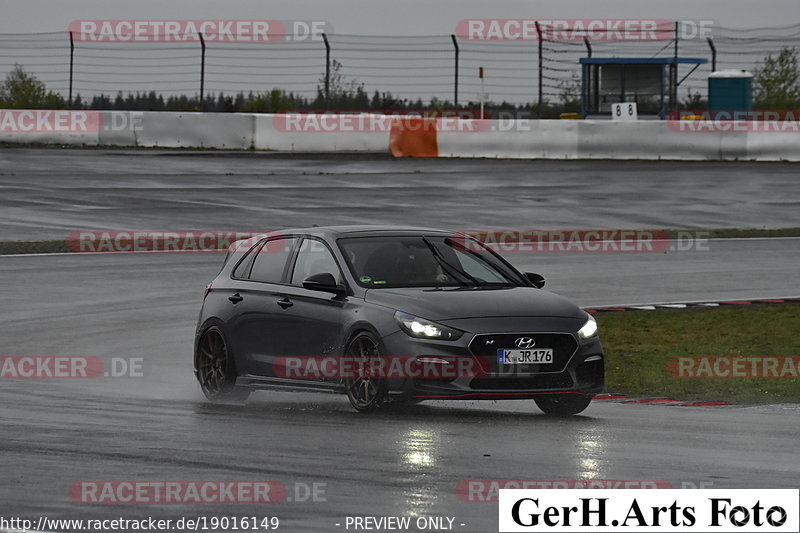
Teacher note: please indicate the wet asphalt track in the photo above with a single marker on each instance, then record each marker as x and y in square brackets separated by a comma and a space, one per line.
[48, 194]
[157, 427]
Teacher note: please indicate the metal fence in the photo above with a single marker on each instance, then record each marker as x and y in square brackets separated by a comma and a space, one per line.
[420, 67]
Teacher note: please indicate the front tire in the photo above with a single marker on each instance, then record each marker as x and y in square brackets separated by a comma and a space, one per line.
[365, 392]
[216, 369]
[563, 404]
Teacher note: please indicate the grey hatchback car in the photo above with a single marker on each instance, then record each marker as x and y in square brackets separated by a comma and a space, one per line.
[391, 316]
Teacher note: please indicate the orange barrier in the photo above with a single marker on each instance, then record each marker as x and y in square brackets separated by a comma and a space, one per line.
[413, 137]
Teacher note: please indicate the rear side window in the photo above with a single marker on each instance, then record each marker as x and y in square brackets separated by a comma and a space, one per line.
[245, 259]
[243, 268]
[270, 260]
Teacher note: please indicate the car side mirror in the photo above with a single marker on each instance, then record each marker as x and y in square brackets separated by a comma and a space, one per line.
[324, 282]
[537, 280]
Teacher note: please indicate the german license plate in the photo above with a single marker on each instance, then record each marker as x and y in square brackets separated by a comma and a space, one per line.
[522, 357]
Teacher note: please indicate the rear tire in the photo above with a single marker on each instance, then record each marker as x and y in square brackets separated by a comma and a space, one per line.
[563, 404]
[365, 392]
[216, 369]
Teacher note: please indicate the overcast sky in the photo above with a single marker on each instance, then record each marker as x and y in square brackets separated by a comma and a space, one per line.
[367, 17]
[399, 17]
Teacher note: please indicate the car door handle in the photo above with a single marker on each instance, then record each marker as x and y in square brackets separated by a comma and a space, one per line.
[285, 303]
[236, 298]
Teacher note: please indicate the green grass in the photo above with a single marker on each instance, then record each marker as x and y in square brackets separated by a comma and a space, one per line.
[638, 345]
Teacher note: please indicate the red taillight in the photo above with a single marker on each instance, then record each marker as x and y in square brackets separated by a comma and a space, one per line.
[208, 289]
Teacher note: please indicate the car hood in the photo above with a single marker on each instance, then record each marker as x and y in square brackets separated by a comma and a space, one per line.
[448, 304]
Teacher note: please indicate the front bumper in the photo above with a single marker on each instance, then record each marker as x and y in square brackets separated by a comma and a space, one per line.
[578, 367]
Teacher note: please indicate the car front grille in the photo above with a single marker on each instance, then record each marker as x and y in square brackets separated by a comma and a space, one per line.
[485, 346]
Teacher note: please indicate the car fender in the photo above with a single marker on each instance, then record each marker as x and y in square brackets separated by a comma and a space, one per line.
[219, 324]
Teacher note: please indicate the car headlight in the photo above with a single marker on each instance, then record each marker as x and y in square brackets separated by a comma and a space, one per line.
[589, 329]
[425, 329]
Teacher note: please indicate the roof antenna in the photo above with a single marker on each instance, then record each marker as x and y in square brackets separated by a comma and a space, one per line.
[314, 225]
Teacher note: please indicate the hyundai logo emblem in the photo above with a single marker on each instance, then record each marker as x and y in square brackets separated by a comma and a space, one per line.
[525, 342]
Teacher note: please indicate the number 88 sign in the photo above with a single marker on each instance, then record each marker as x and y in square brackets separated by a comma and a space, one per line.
[624, 111]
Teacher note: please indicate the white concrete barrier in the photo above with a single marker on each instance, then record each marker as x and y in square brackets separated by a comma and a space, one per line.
[369, 133]
[644, 140]
[44, 126]
[297, 132]
[700, 140]
[232, 131]
[773, 146]
[545, 139]
[603, 139]
[118, 128]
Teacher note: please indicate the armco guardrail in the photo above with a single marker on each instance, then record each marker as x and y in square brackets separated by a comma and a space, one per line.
[528, 139]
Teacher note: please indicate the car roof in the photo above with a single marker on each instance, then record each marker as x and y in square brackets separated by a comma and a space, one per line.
[361, 230]
[335, 232]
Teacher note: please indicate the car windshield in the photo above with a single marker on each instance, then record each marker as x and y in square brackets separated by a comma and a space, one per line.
[420, 261]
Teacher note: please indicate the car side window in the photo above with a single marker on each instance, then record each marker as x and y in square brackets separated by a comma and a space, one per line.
[314, 258]
[242, 270]
[270, 260]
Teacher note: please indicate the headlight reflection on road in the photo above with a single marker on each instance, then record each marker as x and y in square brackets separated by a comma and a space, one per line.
[419, 455]
[418, 447]
[590, 450]
[419, 459]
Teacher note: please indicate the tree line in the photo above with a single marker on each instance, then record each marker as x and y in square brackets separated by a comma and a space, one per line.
[776, 85]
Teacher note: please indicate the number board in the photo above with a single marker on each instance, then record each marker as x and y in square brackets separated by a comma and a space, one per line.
[624, 111]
